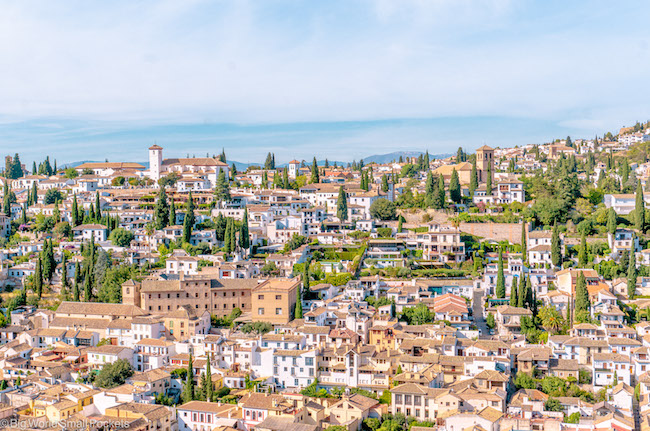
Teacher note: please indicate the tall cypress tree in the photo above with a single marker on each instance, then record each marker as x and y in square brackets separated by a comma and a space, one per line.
[513, 292]
[612, 220]
[488, 181]
[188, 388]
[189, 220]
[209, 393]
[582, 253]
[631, 273]
[639, 210]
[524, 248]
[501, 281]
[172, 212]
[473, 180]
[441, 192]
[98, 208]
[384, 184]
[161, 210]
[233, 235]
[315, 176]
[521, 295]
[226, 238]
[38, 279]
[582, 294]
[454, 187]
[64, 278]
[342, 205]
[556, 250]
[298, 313]
[244, 235]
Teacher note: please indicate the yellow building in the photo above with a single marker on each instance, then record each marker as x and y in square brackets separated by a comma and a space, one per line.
[274, 300]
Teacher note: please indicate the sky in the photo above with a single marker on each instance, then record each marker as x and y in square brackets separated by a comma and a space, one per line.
[339, 79]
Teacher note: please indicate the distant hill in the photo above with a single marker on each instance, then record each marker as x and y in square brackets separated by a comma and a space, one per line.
[387, 158]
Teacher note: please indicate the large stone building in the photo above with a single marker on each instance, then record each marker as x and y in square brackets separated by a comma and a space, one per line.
[206, 168]
[217, 296]
[275, 300]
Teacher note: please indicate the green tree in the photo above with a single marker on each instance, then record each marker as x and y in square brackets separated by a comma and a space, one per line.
[553, 405]
[113, 374]
[556, 250]
[582, 253]
[631, 274]
[121, 237]
[501, 281]
[172, 212]
[315, 177]
[65, 286]
[384, 184]
[454, 187]
[342, 205]
[488, 182]
[298, 313]
[639, 211]
[513, 292]
[490, 321]
[222, 188]
[473, 180]
[521, 295]
[161, 210]
[611, 221]
[209, 391]
[582, 294]
[188, 387]
[383, 209]
[524, 248]
[244, 235]
[189, 220]
[38, 279]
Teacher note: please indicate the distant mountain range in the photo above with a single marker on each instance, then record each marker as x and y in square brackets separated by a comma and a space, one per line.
[242, 166]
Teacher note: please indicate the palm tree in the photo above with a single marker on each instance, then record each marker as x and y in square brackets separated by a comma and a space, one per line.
[149, 230]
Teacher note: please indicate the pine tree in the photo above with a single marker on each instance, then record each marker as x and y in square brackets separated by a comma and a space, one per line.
[513, 292]
[631, 273]
[454, 187]
[612, 220]
[582, 253]
[501, 281]
[315, 177]
[639, 211]
[342, 205]
[473, 180]
[268, 164]
[582, 294]
[556, 250]
[244, 235]
[161, 210]
[188, 388]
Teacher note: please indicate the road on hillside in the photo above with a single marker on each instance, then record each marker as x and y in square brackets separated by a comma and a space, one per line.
[479, 318]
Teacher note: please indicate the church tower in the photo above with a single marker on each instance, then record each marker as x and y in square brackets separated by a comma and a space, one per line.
[155, 162]
[131, 293]
[484, 158]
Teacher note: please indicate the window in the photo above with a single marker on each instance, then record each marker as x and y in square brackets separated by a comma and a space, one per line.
[260, 297]
[278, 311]
[278, 297]
[260, 311]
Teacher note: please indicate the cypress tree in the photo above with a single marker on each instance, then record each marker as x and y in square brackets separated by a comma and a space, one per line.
[521, 295]
[285, 179]
[556, 251]
[188, 389]
[342, 205]
[38, 279]
[631, 273]
[64, 278]
[513, 292]
[488, 183]
[473, 180]
[582, 294]
[582, 254]
[612, 220]
[226, 239]
[244, 235]
[501, 281]
[454, 187]
[298, 313]
[529, 293]
[24, 214]
[306, 277]
[88, 285]
[315, 177]
[34, 199]
[161, 210]
[639, 211]
[189, 220]
[172, 212]
[233, 235]
[75, 212]
[98, 208]
[441, 192]
[384, 184]
[209, 393]
[222, 188]
[524, 248]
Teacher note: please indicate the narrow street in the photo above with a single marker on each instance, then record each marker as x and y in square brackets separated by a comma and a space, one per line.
[477, 310]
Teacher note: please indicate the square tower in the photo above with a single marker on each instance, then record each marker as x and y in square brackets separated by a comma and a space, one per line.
[484, 158]
[155, 162]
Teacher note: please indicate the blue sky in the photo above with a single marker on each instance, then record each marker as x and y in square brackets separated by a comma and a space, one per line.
[341, 79]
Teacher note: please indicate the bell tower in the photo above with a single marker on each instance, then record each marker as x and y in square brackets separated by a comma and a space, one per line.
[484, 158]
